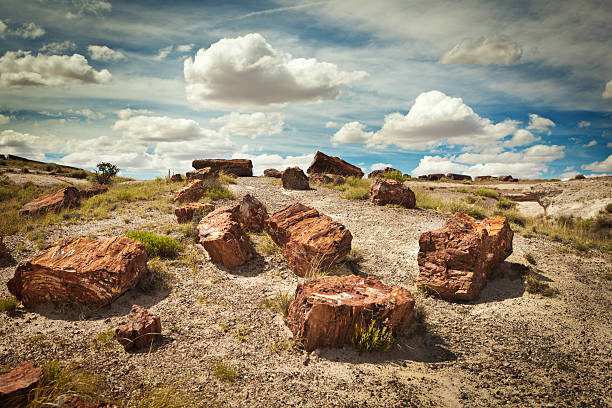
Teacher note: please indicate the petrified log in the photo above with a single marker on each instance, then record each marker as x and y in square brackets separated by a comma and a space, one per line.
[328, 178]
[251, 213]
[15, 384]
[294, 179]
[310, 241]
[455, 261]
[80, 270]
[236, 167]
[224, 239]
[64, 198]
[387, 191]
[435, 177]
[176, 178]
[326, 310]
[458, 177]
[506, 178]
[483, 178]
[92, 191]
[191, 192]
[185, 213]
[272, 173]
[323, 163]
[205, 173]
[141, 329]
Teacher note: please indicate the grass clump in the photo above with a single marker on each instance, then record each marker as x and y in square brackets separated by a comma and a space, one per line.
[505, 204]
[157, 279]
[485, 192]
[533, 284]
[8, 304]
[513, 216]
[217, 193]
[279, 303]
[353, 188]
[104, 340]
[225, 178]
[374, 337]
[266, 245]
[394, 175]
[225, 371]
[156, 245]
[530, 259]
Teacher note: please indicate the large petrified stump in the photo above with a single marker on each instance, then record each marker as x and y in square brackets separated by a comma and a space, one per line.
[236, 167]
[310, 241]
[141, 329]
[251, 213]
[293, 178]
[323, 163]
[191, 192]
[64, 198]
[185, 213]
[80, 270]
[387, 191]
[326, 310]
[455, 261]
[15, 384]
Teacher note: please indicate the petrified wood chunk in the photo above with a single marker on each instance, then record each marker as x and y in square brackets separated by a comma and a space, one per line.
[453, 176]
[141, 329]
[15, 384]
[185, 213]
[326, 310]
[192, 192]
[272, 173]
[176, 178]
[294, 179]
[80, 270]
[251, 213]
[224, 239]
[237, 167]
[66, 197]
[483, 178]
[434, 177]
[455, 261]
[328, 178]
[310, 241]
[205, 173]
[323, 163]
[92, 191]
[387, 191]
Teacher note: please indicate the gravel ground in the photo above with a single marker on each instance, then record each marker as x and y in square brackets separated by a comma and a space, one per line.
[508, 348]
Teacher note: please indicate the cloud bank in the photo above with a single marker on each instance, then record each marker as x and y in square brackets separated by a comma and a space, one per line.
[483, 51]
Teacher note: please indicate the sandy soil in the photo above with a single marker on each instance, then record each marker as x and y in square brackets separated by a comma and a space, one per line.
[509, 348]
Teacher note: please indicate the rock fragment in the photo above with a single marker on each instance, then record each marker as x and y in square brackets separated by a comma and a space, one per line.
[272, 173]
[294, 179]
[387, 191]
[236, 167]
[141, 329]
[15, 384]
[64, 198]
[185, 213]
[190, 193]
[323, 164]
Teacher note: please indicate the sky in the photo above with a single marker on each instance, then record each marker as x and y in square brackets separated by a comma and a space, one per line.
[473, 87]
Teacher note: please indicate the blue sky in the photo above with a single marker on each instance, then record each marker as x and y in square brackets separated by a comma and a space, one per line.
[482, 88]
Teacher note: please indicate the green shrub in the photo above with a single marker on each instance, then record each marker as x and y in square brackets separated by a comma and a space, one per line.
[217, 193]
[354, 188]
[8, 304]
[225, 371]
[485, 192]
[104, 341]
[374, 337]
[124, 195]
[105, 172]
[266, 245]
[394, 175]
[156, 245]
[513, 216]
[579, 177]
[225, 178]
[581, 246]
[471, 199]
[79, 174]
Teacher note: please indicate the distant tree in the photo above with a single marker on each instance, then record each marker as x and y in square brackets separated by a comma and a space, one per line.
[105, 172]
[579, 177]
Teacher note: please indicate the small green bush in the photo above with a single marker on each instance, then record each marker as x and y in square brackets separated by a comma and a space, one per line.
[485, 192]
[156, 245]
[105, 172]
[374, 337]
[8, 304]
[79, 174]
[354, 188]
[394, 175]
[217, 193]
[266, 245]
[225, 178]
[513, 216]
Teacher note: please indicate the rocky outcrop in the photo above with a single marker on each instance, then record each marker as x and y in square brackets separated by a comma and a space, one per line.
[272, 173]
[81, 271]
[251, 213]
[483, 178]
[92, 191]
[380, 173]
[141, 329]
[224, 239]
[435, 177]
[455, 261]
[15, 384]
[508, 178]
[458, 177]
[323, 164]
[185, 213]
[72, 401]
[387, 191]
[310, 241]
[176, 178]
[294, 179]
[236, 167]
[64, 198]
[191, 192]
[326, 310]
[328, 178]
[202, 174]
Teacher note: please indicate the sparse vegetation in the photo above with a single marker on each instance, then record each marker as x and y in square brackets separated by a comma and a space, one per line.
[104, 341]
[8, 304]
[353, 188]
[394, 175]
[156, 245]
[225, 371]
[164, 396]
[159, 277]
[265, 245]
[105, 172]
[579, 177]
[280, 303]
[505, 204]
[530, 259]
[533, 284]
[485, 192]
[225, 178]
[374, 337]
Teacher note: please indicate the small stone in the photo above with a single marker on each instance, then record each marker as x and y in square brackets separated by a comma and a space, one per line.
[15, 384]
[294, 179]
[141, 329]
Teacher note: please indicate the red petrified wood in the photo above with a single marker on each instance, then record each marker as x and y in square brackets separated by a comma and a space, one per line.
[141, 329]
[80, 270]
[310, 241]
[202, 174]
[272, 173]
[251, 213]
[293, 178]
[387, 191]
[323, 163]
[185, 213]
[455, 261]
[237, 167]
[192, 192]
[326, 310]
[66, 197]
[15, 384]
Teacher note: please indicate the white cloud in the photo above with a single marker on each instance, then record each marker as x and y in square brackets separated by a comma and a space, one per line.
[87, 113]
[58, 47]
[437, 164]
[568, 175]
[274, 161]
[184, 48]
[331, 125]
[600, 167]
[126, 113]
[352, 132]
[484, 51]
[568, 168]
[30, 146]
[21, 69]
[92, 7]
[607, 93]
[590, 144]
[103, 53]
[246, 73]
[163, 53]
[584, 123]
[521, 137]
[30, 30]
[380, 166]
[3, 28]
[4, 119]
[540, 124]
[251, 125]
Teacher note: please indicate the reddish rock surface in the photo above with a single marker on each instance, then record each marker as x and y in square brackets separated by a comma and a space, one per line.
[64, 198]
[185, 213]
[202, 174]
[294, 179]
[224, 239]
[455, 261]
[434, 177]
[320, 179]
[323, 164]
[326, 310]
[80, 270]
[192, 192]
[72, 401]
[272, 173]
[176, 178]
[309, 241]
[92, 191]
[387, 191]
[237, 167]
[141, 329]
[251, 213]
[15, 384]
[459, 177]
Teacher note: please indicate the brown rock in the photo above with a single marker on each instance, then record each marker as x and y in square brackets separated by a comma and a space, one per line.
[92, 191]
[236, 167]
[455, 261]
[326, 310]
[483, 178]
[272, 173]
[321, 179]
[294, 179]
[508, 178]
[72, 401]
[65, 198]
[458, 177]
[407, 176]
[323, 163]
[192, 192]
[251, 213]
[185, 213]
[224, 239]
[310, 241]
[140, 330]
[176, 178]
[387, 191]
[15, 384]
[80, 270]
[434, 177]
[202, 174]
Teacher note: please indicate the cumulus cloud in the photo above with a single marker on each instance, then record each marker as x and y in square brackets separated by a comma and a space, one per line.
[184, 48]
[91, 7]
[352, 132]
[166, 129]
[604, 166]
[584, 123]
[57, 47]
[331, 125]
[21, 69]
[163, 53]
[30, 30]
[4, 119]
[246, 73]
[275, 161]
[380, 166]
[251, 125]
[30, 146]
[521, 137]
[498, 50]
[607, 93]
[3, 28]
[87, 113]
[103, 53]
[126, 113]
[590, 144]
[539, 124]
[438, 164]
